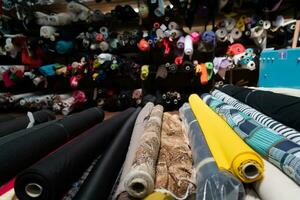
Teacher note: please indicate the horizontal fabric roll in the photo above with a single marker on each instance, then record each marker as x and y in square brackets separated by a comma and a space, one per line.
[229, 151]
[139, 181]
[280, 151]
[264, 120]
[212, 183]
[101, 179]
[283, 108]
[286, 91]
[19, 153]
[275, 185]
[158, 196]
[6, 118]
[23, 122]
[138, 129]
[51, 177]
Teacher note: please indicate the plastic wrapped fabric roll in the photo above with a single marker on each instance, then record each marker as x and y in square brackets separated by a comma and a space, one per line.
[212, 183]
[264, 120]
[51, 177]
[99, 183]
[138, 129]
[25, 121]
[139, 181]
[21, 152]
[286, 91]
[229, 151]
[280, 151]
[6, 118]
[172, 173]
[275, 185]
[283, 108]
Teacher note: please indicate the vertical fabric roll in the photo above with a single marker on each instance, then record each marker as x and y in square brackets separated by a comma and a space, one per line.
[229, 151]
[264, 120]
[19, 153]
[188, 45]
[280, 151]
[138, 130]
[275, 185]
[283, 108]
[99, 183]
[51, 177]
[139, 181]
[25, 121]
[212, 183]
[174, 163]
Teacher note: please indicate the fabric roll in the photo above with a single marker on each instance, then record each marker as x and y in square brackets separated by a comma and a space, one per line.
[172, 173]
[280, 151]
[275, 185]
[139, 127]
[229, 151]
[283, 108]
[158, 196]
[286, 91]
[10, 195]
[264, 120]
[251, 194]
[25, 121]
[51, 177]
[212, 183]
[22, 151]
[6, 118]
[139, 181]
[99, 183]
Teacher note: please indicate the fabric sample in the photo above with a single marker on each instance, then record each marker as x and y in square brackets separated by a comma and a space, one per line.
[174, 163]
[22, 122]
[212, 183]
[283, 108]
[280, 151]
[264, 120]
[101, 179]
[53, 175]
[139, 181]
[229, 151]
[275, 185]
[138, 130]
[19, 153]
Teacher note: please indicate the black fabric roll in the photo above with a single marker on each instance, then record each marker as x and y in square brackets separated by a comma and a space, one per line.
[6, 118]
[22, 122]
[25, 149]
[283, 108]
[55, 173]
[101, 179]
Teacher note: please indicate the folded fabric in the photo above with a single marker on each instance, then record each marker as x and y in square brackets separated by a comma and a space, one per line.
[264, 120]
[211, 182]
[275, 185]
[51, 177]
[280, 151]
[138, 130]
[283, 108]
[172, 173]
[99, 182]
[139, 181]
[25, 149]
[30, 119]
[228, 150]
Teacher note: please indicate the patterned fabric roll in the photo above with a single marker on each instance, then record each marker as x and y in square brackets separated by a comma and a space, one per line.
[280, 151]
[264, 120]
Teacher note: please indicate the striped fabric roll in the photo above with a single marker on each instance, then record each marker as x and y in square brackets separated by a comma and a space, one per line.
[261, 118]
[280, 151]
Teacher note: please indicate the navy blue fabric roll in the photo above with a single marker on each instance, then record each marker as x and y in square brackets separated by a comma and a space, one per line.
[52, 176]
[24, 149]
[101, 179]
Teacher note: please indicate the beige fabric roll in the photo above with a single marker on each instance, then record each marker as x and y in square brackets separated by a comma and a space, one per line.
[139, 182]
[174, 164]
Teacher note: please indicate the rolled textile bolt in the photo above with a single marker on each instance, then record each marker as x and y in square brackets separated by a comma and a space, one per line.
[178, 60]
[48, 32]
[99, 37]
[174, 34]
[195, 37]
[104, 31]
[42, 18]
[104, 46]
[267, 25]
[15, 68]
[163, 27]
[160, 10]
[144, 72]
[208, 37]
[257, 32]
[230, 24]
[235, 34]
[114, 43]
[173, 68]
[188, 66]
[143, 11]
[60, 19]
[104, 57]
[79, 11]
[143, 45]
[250, 65]
[221, 34]
[188, 45]
[236, 49]
[173, 26]
[160, 34]
[30, 75]
[18, 97]
[279, 21]
[33, 190]
[180, 42]
[63, 47]
[156, 25]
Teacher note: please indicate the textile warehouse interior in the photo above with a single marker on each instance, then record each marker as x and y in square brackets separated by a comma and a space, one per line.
[149, 99]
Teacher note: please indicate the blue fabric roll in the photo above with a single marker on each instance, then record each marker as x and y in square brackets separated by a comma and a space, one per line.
[47, 70]
[63, 47]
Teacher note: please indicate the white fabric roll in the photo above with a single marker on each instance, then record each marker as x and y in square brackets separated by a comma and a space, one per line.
[275, 185]
[188, 45]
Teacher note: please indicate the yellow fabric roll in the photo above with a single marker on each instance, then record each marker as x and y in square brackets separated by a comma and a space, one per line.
[158, 196]
[229, 151]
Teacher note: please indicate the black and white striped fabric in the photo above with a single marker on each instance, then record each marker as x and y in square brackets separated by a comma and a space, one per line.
[261, 118]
